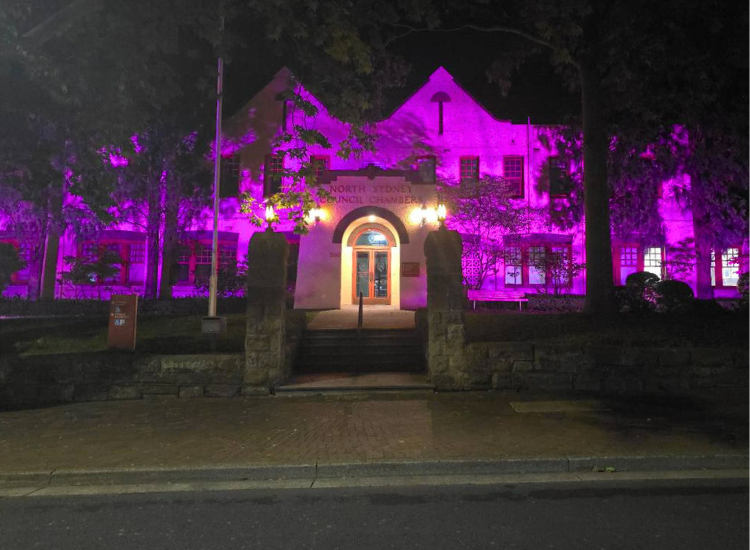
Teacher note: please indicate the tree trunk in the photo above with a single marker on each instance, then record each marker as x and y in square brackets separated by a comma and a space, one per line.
[169, 254]
[152, 243]
[599, 274]
[52, 242]
[703, 288]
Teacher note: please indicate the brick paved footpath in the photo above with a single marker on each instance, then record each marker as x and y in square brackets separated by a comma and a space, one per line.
[161, 433]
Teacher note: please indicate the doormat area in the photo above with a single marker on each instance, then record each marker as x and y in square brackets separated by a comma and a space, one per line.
[557, 406]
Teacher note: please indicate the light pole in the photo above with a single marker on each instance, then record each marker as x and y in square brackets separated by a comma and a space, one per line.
[212, 324]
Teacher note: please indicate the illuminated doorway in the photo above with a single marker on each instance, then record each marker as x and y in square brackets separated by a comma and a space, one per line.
[371, 272]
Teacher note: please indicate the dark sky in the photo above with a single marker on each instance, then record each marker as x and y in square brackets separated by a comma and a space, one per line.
[537, 91]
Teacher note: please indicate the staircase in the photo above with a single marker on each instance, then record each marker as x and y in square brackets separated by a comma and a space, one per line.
[373, 350]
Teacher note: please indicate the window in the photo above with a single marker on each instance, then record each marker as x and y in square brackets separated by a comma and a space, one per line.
[469, 168]
[130, 250]
[725, 267]
[274, 171]
[321, 164]
[559, 182]
[513, 266]
[653, 261]
[538, 265]
[229, 184]
[426, 167]
[513, 173]
[194, 260]
[632, 258]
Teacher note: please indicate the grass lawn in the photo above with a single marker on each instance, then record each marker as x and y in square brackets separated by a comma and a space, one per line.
[728, 330]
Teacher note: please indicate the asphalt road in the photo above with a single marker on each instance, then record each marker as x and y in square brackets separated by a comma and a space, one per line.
[637, 515]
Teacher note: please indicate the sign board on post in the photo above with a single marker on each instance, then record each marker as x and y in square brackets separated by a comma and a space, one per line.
[123, 314]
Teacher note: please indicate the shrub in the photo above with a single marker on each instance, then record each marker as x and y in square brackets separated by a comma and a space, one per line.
[10, 262]
[674, 297]
[640, 291]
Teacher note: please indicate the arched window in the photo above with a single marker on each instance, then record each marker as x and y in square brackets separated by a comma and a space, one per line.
[371, 238]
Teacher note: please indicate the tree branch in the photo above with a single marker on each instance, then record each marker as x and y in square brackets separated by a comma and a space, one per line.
[497, 28]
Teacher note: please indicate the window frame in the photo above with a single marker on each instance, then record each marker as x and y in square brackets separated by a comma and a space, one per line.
[718, 261]
[229, 178]
[317, 161]
[124, 245]
[525, 257]
[559, 167]
[520, 181]
[424, 160]
[475, 167]
[640, 260]
[193, 245]
[273, 174]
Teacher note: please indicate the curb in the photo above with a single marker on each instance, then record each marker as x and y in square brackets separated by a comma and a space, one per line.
[416, 469]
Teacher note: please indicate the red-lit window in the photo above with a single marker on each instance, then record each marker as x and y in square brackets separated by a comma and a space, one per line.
[130, 269]
[321, 164]
[513, 174]
[274, 171]
[725, 267]
[194, 260]
[426, 166]
[469, 168]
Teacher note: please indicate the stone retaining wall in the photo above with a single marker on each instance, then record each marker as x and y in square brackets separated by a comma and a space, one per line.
[521, 365]
[47, 380]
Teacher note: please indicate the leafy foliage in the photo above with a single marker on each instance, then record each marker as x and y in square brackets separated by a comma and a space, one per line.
[10, 262]
[231, 281]
[485, 210]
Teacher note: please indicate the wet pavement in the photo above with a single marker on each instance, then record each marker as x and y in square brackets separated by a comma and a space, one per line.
[361, 428]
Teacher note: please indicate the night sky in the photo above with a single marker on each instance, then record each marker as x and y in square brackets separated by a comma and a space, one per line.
[537, 91]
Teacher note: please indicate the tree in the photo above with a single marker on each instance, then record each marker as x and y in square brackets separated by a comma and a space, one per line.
[10, 262]
[617, 53]
[485, 211]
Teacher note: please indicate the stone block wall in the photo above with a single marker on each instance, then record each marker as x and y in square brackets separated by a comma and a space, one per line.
[45, 380]
[522, 365]
[445, 318]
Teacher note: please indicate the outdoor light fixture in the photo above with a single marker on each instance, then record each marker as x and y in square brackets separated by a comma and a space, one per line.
[424, 216]
[270, 215]
[442, 213]
[315, 215]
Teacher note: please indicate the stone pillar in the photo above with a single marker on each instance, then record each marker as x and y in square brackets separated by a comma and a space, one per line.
[446, 355]
[265, 332]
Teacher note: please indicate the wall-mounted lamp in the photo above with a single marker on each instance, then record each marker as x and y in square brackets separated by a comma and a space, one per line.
[442, 213]
[315, 215]
[270, 216]
[424, 212]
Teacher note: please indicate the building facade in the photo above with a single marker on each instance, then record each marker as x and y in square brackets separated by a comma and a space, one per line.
[368, 236]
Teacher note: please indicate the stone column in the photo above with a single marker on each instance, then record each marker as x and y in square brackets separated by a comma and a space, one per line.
[446, 355]
[265, 332]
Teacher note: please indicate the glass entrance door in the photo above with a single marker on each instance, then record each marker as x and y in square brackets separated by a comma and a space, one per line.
[371, 276]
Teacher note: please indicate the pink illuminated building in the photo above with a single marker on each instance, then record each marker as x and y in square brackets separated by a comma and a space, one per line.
[370, 237]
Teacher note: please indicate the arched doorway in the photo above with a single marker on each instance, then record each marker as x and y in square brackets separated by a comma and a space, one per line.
[371, 269]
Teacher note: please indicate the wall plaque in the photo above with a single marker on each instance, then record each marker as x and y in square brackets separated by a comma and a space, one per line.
[123, 314]
[410, 269]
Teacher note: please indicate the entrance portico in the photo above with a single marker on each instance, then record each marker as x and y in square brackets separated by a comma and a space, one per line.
[370, 239]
